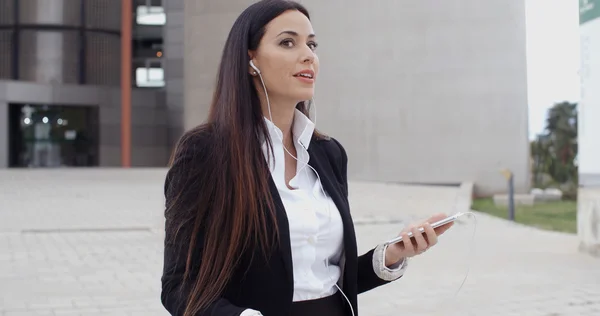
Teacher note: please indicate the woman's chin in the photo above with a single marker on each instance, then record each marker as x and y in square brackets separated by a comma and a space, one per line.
[303, 95]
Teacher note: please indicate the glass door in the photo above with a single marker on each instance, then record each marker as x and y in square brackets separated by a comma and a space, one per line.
[50, 136]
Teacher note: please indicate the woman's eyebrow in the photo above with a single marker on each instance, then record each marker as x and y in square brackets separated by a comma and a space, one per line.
[293, 33]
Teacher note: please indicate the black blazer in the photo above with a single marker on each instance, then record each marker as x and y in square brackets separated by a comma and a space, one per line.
[268, 286]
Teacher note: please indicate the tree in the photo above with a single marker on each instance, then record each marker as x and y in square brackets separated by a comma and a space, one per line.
[560, 142]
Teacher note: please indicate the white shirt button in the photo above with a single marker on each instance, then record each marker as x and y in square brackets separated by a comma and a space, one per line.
[312, 240]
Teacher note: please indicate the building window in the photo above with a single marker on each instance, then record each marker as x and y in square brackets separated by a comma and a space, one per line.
[150, 15]
[149, 77]
[147, 65]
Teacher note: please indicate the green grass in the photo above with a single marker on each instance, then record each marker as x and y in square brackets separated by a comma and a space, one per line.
[558, 216]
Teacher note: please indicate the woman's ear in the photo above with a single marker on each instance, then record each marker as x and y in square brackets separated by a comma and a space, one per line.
[252, 61]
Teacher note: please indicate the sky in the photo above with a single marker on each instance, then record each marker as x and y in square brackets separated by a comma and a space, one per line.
[552, 57]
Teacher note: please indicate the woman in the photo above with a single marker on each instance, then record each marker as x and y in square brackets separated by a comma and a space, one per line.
[253, 227]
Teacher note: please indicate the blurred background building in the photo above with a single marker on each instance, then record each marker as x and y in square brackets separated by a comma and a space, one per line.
[588, 142]
[60, 74]
[435, 93]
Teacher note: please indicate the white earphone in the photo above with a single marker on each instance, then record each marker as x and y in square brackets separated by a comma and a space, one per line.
[254, 67]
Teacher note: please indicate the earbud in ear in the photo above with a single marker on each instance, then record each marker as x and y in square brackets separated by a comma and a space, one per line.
[254, 67]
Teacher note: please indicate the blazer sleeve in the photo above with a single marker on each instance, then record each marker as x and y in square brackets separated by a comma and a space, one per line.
[371, 273]
[174, 295]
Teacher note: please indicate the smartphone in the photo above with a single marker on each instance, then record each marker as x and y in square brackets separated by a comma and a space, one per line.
[439, 223]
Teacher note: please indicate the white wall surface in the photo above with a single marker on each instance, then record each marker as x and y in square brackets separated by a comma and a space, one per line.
[417, 91]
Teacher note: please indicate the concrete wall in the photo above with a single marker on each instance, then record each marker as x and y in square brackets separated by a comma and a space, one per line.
[588, 220]
[588, 208]
[3, 132]
[417, 91]
[149, 124]
[173, 63]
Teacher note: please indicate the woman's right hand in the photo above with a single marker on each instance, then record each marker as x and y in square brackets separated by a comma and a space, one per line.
[419, 243]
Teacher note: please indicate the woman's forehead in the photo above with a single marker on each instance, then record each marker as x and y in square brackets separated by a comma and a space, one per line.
[291, 23]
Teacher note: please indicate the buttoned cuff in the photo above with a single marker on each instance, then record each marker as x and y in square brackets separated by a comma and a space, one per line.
[382, 271]
[250, 312]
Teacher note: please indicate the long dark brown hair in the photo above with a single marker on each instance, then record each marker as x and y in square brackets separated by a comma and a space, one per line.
[234, 207]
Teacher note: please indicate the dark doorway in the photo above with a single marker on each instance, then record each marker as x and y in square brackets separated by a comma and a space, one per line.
[46, 136]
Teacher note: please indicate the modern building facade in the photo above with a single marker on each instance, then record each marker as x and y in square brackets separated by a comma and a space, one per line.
[588, 208]
[418, 92]
[60, 75]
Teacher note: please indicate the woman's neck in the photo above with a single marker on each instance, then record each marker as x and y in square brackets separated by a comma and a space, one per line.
[282, 115]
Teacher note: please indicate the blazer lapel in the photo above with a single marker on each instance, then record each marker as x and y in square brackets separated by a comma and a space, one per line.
[284, 231]
[320, 161]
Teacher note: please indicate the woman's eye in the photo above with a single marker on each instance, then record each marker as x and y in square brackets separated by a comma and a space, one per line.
[287, 43]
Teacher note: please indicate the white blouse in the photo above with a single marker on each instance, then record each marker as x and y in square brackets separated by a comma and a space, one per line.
[316, 230]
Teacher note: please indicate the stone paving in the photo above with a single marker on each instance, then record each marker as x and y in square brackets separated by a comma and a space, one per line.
[88, 242]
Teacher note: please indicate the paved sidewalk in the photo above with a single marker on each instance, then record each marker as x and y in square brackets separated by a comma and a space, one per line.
[88, 242]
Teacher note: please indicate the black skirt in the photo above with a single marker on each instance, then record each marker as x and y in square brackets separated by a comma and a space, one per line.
[334, 305]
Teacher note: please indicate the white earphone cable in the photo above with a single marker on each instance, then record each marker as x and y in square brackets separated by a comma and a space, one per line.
[471, 250]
